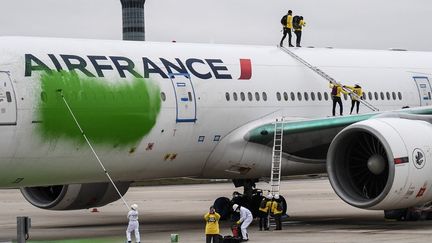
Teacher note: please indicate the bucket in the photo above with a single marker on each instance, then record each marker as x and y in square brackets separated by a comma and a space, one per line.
[174, 238]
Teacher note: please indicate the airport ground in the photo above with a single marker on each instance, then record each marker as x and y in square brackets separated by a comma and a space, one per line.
[317, 215]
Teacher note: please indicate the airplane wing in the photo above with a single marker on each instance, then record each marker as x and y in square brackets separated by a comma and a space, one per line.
[308, 140]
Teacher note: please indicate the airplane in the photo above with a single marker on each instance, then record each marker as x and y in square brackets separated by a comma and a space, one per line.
[167, 110]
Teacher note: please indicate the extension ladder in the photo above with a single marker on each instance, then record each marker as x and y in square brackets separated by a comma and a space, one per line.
[275, 176]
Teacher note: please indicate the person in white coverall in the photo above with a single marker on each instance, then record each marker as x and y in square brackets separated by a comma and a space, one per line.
[245, 220]
[133, 224]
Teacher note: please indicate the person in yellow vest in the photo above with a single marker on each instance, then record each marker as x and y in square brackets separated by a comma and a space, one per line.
[336, 96]
[298, 27]
[212, 226]
[263, 213]
[287, 29]
[276, 210]
[357, 90]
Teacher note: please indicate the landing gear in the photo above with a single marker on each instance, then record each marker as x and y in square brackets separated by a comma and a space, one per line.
[410, 214]
[222, 206]
[406, 214]
[251, 199]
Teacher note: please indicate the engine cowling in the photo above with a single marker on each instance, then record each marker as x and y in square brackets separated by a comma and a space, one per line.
[382, 163]
[74, 196]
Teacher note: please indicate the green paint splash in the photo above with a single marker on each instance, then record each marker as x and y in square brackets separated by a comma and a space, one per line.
[115, 113]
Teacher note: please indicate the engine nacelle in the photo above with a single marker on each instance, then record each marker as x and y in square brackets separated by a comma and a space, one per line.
[382, 163]
[74, 196]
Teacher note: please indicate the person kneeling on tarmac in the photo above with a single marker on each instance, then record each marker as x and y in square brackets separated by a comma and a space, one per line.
[245, 220]
[276, 210]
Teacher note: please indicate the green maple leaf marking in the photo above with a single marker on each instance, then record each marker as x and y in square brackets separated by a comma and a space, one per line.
[112, 113]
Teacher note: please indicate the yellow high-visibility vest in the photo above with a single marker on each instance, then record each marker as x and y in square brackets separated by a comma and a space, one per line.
[289, 21]
[212, 223]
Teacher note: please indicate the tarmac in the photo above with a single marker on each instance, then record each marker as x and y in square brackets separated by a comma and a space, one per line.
[316, 215]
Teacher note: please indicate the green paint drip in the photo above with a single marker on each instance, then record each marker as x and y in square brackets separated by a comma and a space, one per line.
[115, 113]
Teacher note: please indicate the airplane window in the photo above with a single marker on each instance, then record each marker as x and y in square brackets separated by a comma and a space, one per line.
[400, 95]
[190, 96]
[43, 96]
[292, 96]
[163, 96]
[278, 96]
[299, 96]
[382, 95]
[257, 97]
[250, 96]
[345, 96]
[235, 96]
[326, 97]
[83, 96]
[394, 95]
[319, 96]
[388, 95]
[312, 95]
[370, 95]
[364, 96]
[112, 95]
[376, 95]
[227, 96]
[285, 96]
[306, 96]
[73, 96]
[242, 96]
[264, 96]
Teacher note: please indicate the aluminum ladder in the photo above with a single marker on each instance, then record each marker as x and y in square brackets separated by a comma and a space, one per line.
[275, 176]
[328, 77]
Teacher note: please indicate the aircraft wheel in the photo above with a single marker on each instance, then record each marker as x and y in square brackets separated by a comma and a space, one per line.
[254, 204]
[397, 214]
[284, 204]
[223, 207]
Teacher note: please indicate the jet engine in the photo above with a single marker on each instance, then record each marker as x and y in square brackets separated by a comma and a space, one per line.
[74, 196]
[382, 163]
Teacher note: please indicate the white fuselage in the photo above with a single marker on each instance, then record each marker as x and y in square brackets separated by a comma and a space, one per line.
[178, 145]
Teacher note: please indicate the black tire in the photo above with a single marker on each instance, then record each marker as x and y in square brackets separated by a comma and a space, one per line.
[427, 215]
[254, 205]
[284, 205]
[397, 214]
[222, 206]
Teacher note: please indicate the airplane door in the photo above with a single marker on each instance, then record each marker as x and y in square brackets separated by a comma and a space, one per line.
[425, 91]
[185, 97]
[8, 110]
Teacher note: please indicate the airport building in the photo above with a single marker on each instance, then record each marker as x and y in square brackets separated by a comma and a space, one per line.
[133, 20]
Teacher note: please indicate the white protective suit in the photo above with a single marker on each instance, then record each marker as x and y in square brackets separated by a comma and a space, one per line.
[133, 226]
[245, 220]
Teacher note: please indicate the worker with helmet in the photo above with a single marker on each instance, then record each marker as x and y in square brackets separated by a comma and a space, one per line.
[245, 220]
[212, 226]
[277, 210]
[264, 211]
[133, 224]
